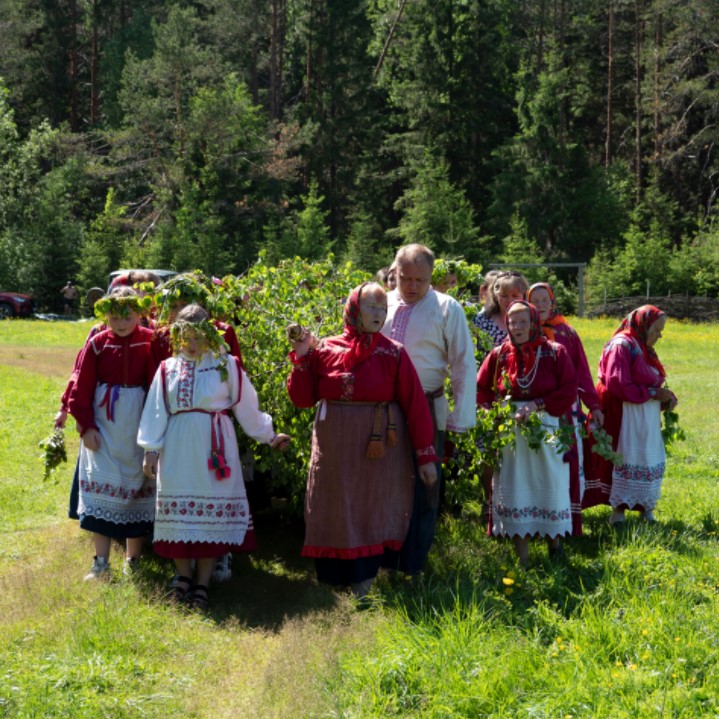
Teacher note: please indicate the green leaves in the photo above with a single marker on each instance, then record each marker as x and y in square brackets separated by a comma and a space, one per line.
[671, 431]
[482, 446]
[261, 304]
[54, 452]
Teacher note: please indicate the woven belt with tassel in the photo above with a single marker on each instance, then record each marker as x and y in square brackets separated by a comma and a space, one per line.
[216, 463]
[376, 444]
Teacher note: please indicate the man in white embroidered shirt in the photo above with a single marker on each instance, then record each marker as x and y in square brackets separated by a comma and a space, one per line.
[433, 329]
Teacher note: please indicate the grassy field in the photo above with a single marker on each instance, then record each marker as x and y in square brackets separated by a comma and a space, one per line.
[627, 627]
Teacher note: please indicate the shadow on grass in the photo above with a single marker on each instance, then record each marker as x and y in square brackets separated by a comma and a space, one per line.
[466, 568]
[268, 586]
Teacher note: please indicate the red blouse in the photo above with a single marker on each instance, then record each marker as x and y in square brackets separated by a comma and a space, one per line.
[555, 382]
[386, 375]
[109, 359]
[567, 336]
[625, 372]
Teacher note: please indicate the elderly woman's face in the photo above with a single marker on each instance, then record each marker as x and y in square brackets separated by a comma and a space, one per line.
[542, 300]
[519, 324]
[654, 333]
[373, 310]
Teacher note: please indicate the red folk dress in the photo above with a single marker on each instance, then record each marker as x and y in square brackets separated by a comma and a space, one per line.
[566, 335]
[357, 507]
[530, 490]
[627, 387]
[116, 499]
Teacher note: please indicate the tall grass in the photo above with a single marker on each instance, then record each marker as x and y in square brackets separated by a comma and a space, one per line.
[626, 627]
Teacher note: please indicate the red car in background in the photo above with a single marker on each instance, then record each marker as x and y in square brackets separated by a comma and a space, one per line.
[15, 304]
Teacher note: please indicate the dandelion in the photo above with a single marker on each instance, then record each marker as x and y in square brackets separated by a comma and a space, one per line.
[645, 632]
[507, 581]
[632, 667]
[616, 675]
[508, 590]
[511, 574]
[646, 655]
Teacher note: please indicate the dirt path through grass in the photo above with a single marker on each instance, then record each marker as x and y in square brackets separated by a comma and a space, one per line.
[50, 362]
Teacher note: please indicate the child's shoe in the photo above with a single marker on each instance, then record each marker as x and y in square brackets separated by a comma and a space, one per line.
[131, 566]
[100, 569]
[223, 568]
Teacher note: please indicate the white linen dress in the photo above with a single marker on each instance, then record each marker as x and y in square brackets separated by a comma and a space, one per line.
[187, 403]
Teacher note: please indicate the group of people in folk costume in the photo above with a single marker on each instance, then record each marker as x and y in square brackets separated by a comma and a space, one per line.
[159, 453]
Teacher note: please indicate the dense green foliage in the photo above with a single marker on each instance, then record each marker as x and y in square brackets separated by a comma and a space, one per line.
[261, 304]
[182, 135]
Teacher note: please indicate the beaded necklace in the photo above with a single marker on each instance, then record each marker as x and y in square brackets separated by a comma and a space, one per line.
[525, 382]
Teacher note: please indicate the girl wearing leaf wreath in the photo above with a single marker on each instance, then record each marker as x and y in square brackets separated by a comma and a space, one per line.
[530, 488]
[191, 447]
[631, 391]
[143, 282]
[178, 292]
[371, 418]
[116, 500]
[557, 329]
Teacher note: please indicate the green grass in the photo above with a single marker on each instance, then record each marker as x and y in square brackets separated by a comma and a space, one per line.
[627, 627]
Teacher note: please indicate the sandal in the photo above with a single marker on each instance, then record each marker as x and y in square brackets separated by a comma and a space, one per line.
[199, 599]
[179, 593]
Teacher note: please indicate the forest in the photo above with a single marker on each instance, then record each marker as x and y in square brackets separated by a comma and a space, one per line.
[188, 135]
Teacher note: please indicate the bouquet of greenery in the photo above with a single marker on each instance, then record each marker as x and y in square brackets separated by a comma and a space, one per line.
[54, 452]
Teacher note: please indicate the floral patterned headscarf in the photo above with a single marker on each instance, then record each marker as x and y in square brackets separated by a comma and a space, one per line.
[554, 318]
[636, 325]
[362, 343]
[522, 357]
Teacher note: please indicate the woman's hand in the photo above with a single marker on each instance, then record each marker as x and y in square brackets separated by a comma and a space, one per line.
[428, 474]
[91, 440]
[597, 418]
[524, 411]
[149, 464]
[666, 396]
[281, 442]
[60, 419]
[304, 344]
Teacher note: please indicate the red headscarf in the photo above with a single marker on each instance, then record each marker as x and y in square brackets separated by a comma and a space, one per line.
[362, 343]
[554, 318]
[523, 357]
[636, 325]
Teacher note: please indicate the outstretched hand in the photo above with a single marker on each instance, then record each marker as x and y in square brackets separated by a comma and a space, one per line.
[281, 442]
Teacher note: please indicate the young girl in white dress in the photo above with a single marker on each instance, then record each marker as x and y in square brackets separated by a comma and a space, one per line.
[191, 447]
